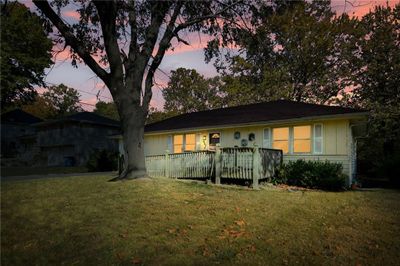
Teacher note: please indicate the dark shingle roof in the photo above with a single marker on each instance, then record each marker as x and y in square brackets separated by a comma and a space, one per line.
[19, 116]
[84, 117]
[252, 113]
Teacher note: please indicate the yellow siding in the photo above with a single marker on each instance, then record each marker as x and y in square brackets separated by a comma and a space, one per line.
[155, 144]
[335, 137]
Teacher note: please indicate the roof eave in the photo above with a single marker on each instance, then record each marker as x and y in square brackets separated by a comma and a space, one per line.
[358, 115]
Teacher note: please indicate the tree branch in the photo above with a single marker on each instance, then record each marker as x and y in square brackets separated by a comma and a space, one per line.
[133, 49]
[107, 13]
[71, 40]
[162, 48]
[202, 18]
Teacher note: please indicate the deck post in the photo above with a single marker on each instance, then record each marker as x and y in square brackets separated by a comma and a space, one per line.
[166, 163]
[218, 164]
[256, 167]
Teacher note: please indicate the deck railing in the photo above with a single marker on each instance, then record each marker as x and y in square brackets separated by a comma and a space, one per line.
[198, 164]
[237, 163]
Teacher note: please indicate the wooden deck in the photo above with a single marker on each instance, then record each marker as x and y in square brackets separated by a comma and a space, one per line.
[234, 163]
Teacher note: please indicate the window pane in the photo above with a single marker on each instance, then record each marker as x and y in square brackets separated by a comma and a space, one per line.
[266, 133]
[281, 133]
[177, 148]
[318, 131]
[302, 132]
[318, 146]
[169, 143]
[303, 145]
[281, 145]
[178, 139]
[178, 143]
[190, 139]
[190, 147]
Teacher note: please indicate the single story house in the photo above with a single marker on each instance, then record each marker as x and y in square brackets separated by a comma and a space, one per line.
[300, 130]
[69, 141]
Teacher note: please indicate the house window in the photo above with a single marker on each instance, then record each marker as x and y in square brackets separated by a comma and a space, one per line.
[318, 138]
[184, 142]
[178, 143]
[267, 138]
[169, 143]
[281, 139]
[302, 139]
[190, 142]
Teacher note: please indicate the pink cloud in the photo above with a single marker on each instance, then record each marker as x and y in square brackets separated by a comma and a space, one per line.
[359, 8]
[72, 14]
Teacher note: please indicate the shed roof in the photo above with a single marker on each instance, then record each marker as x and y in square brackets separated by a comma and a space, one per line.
[20, 117]
[247, 114]
[83, 117]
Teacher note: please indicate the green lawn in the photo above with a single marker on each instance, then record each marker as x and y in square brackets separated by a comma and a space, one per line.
[24, 171]
[89, 221]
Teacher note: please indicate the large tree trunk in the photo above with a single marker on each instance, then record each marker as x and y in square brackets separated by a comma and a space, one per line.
[133, 139]
[133, 117]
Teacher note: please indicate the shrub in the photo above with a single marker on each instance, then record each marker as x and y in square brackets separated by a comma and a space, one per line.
[312, 174]
[389, 168]
[102, 161]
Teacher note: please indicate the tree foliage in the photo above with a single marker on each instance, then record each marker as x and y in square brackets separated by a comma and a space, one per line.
[156, 115]
[58, 101]
[188, 91]
[376, 88]
[107, 109]
[25, 54]
[299, 53]
[377, 68]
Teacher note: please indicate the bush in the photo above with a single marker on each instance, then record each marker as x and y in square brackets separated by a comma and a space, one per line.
[312, 174]
[389, 168]
[102, 161]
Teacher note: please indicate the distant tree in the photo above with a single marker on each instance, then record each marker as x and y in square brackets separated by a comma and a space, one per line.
[56, 102]
[40, 107]
[107, 109]
[188, 91]
[64, 99]
[376, 78]
[157, 115]
[25, 54]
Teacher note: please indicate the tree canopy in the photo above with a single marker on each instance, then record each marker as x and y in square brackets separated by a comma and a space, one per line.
[299, 53]
[25, 54]
[57, 101]
[188, 91]
[107, 109]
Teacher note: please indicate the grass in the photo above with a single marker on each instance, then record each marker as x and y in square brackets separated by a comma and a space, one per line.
[23, 171]
[89, 221]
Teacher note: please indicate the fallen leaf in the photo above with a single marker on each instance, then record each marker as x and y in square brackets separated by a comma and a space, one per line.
[136, 261]
[240, 222]
[171, 231]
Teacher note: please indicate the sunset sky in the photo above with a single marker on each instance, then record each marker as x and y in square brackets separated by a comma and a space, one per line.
[85, 81]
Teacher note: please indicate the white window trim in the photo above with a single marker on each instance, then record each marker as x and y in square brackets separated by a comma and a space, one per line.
[321, 138]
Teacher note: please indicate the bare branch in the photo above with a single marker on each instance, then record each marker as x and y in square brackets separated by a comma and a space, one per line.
[162, 48]
[202, 18]
[71, 40]
[107, 12]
